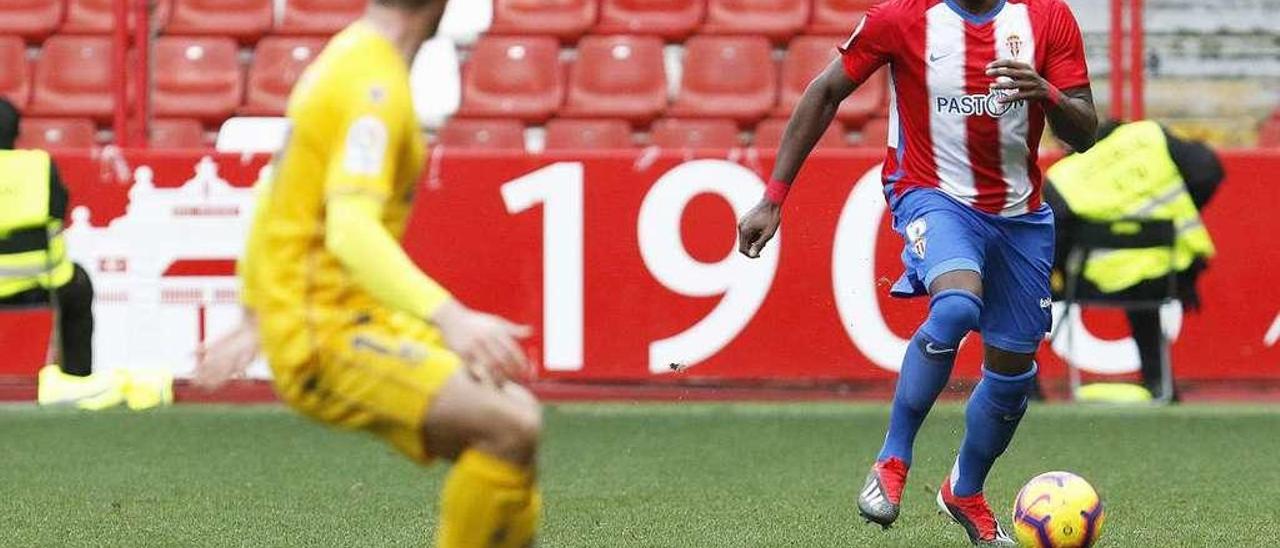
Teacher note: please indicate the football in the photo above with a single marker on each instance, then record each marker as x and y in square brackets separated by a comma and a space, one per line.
[1057, 510]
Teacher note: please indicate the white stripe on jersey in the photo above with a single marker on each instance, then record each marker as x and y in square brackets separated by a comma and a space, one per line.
[1013, 31]
[895, 132]
[945, 56]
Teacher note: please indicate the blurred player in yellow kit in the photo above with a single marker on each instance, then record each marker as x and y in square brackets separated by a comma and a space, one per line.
[356, 335]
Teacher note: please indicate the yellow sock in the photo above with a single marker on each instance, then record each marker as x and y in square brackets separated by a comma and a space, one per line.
[524, 525]
[487, 502]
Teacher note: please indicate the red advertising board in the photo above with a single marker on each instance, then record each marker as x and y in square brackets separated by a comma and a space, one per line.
[660, 283]
[625, 264]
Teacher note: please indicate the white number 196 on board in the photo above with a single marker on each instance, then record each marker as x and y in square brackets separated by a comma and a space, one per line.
[742, 284]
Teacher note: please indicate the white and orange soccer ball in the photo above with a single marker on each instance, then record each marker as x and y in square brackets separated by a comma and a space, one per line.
[1057, 510]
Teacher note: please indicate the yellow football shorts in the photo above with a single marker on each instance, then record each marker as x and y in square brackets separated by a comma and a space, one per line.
[379, 374]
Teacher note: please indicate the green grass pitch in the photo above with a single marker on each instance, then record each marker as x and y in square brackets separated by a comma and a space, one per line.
[653, 475]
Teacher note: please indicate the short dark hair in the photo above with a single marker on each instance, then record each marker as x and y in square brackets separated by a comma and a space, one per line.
[10, 121]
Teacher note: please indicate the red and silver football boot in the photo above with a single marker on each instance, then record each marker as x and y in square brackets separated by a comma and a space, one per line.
[974, 514]
[881, 498]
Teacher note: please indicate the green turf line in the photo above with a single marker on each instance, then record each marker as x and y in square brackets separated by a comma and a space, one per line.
[660, 475]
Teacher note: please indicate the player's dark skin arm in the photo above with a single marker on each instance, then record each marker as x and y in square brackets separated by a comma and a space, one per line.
[808, 122]
[811, 118]
[1074, 120]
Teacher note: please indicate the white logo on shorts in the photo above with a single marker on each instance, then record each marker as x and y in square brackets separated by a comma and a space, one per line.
[1046, 303]
[915, 236]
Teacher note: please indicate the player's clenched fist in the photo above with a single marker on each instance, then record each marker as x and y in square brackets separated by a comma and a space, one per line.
[757, 227]
[1022, 80]
[486, 343]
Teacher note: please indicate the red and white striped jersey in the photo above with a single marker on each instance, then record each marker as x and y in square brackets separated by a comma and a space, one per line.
[947, 129]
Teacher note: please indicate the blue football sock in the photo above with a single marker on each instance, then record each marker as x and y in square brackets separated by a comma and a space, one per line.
[990, 419]
[927, 366]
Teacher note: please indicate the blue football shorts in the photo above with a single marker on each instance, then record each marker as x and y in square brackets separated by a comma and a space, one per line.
[1012, 254]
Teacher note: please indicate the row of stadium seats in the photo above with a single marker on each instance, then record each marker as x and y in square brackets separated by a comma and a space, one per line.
[675, 20]
[245, 20]
[194, 77]
[625, 77]
[588, 134]
[560, 134]
[568, 20]
[506, 77]
[63, 133]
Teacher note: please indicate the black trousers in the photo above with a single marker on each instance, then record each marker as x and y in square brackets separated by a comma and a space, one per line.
[1145, 325]
[75, 319]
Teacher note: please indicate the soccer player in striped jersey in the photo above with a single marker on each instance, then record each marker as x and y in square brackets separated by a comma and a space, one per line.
[973, 84]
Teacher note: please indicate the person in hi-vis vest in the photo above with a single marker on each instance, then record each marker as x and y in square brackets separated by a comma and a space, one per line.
[1138, 170]
[34, 200]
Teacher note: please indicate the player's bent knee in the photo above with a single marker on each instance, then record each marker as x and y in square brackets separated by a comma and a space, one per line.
[953, 313]
[1007, 362]
[965, 280]
[514, 431]
[520, 394]
[465, 413]
[529, 423]
[528, 427]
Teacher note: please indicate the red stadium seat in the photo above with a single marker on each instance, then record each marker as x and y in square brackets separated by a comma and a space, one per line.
[482, 134]
[806, 57]
[868, 101]
[875, 134]
[177, 133]
[89, 17]
[670, 19]
[277, 64]
[778, 20]
[510, 76]
[56, 133]
[617, 77]
[73, 78]
[565, 134]
[838, 16]
[15, 72]
[33, 20]
[564, 19]
[769, 135]
[196, 78]
[98, 17]
[676, 133]
[727, 77]
[245, 20]
[319, 17]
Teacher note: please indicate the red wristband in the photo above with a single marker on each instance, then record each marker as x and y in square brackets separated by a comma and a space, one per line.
[1056, 96]
[776, 191]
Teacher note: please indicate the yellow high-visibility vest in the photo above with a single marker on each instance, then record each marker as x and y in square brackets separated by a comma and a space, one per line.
[1130, 175]
[25, 223]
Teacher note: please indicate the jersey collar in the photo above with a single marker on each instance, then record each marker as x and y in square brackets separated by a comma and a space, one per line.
[975, 18]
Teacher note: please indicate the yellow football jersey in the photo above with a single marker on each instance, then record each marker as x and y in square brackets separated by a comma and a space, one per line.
[353, 130]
